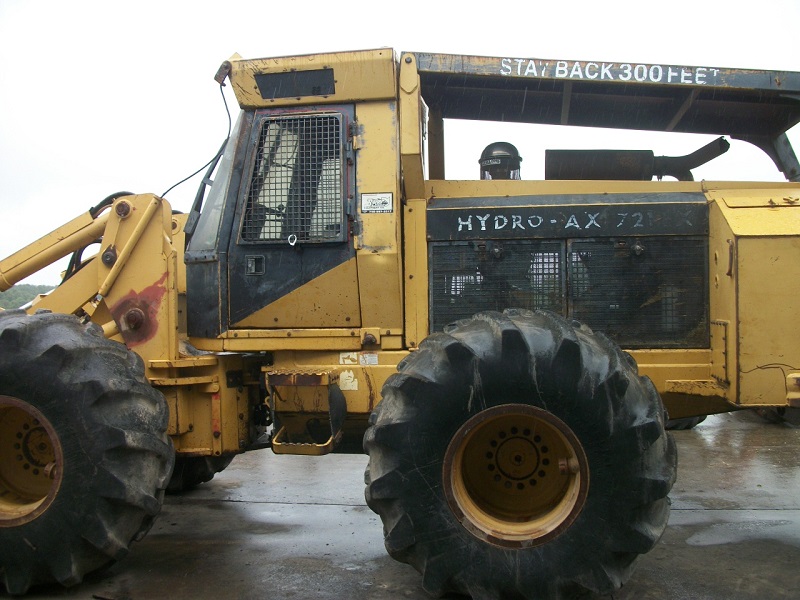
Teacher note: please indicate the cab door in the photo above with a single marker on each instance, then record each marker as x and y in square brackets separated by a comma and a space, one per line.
[292, 261]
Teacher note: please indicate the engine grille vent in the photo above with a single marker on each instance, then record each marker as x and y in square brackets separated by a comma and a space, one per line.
[642, 292]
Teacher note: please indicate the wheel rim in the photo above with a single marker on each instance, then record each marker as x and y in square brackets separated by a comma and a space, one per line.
[31, 463]
[515, 476]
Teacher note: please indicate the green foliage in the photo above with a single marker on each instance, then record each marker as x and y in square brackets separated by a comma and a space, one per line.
[21, 294]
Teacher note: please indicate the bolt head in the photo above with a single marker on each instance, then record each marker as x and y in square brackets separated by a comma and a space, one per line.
[134, 318]
[123, 209]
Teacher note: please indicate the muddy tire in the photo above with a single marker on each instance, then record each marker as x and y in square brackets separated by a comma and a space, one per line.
[518, 455]
[191, 471]
[84, 455]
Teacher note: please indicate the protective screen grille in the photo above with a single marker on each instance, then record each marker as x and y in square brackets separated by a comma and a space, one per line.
[642, 292]
[468, 277]
[648, 292]
[297, 187]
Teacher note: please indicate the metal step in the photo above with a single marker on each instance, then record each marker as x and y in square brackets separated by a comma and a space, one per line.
[294, 435]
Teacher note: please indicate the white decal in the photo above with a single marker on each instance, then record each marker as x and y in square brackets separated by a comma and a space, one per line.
[700, 75]
[377, 203]
[644, 73]
[348, 381]
[368, 359]
[523, 67]
[656, 72]
[348, 358]
[582, 220]
[639, 219]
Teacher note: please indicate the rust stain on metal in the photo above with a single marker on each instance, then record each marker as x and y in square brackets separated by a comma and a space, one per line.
[298, 379]
[371, 390]
[216, 415]
[136, 313]
[301, 378]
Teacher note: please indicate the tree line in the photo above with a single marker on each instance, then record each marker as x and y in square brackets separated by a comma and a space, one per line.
[21, 294]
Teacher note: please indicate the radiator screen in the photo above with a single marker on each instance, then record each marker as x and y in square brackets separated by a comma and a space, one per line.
[642, 292]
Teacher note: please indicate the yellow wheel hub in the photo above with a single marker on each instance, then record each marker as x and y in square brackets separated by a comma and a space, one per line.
[515, 475]
[30, 462]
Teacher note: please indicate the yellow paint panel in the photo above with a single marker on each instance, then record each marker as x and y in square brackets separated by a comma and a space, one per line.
[722, 296]
[760, 212]
[361, 75]
[381, 300]
[416, 273]
[769, 299]
[466, 189]
[330, 300]
[378, 240]
[411, 145]
[778, 194]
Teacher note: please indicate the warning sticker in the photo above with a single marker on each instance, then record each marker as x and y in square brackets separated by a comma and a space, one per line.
[377, 203]
[368, 358]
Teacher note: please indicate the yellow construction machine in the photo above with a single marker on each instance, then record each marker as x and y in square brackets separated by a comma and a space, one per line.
[332, 290]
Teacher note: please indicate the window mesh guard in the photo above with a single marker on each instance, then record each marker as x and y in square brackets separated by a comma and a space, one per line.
[297, 186]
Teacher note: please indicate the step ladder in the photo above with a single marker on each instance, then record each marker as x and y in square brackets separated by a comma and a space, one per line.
[299, 419]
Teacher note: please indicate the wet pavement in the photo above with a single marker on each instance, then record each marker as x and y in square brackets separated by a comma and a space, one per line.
[297, 527]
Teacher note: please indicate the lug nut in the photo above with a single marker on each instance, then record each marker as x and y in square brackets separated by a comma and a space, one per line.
[51, 470]
[568, 466]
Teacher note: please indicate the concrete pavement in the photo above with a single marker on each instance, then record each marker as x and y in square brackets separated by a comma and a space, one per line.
[297, 527]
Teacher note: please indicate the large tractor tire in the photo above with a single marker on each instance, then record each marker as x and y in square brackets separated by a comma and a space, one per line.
[517, 455]
[189, 472]
[84, 455]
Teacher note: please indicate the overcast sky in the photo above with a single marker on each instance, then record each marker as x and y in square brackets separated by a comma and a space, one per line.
[97, 97]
